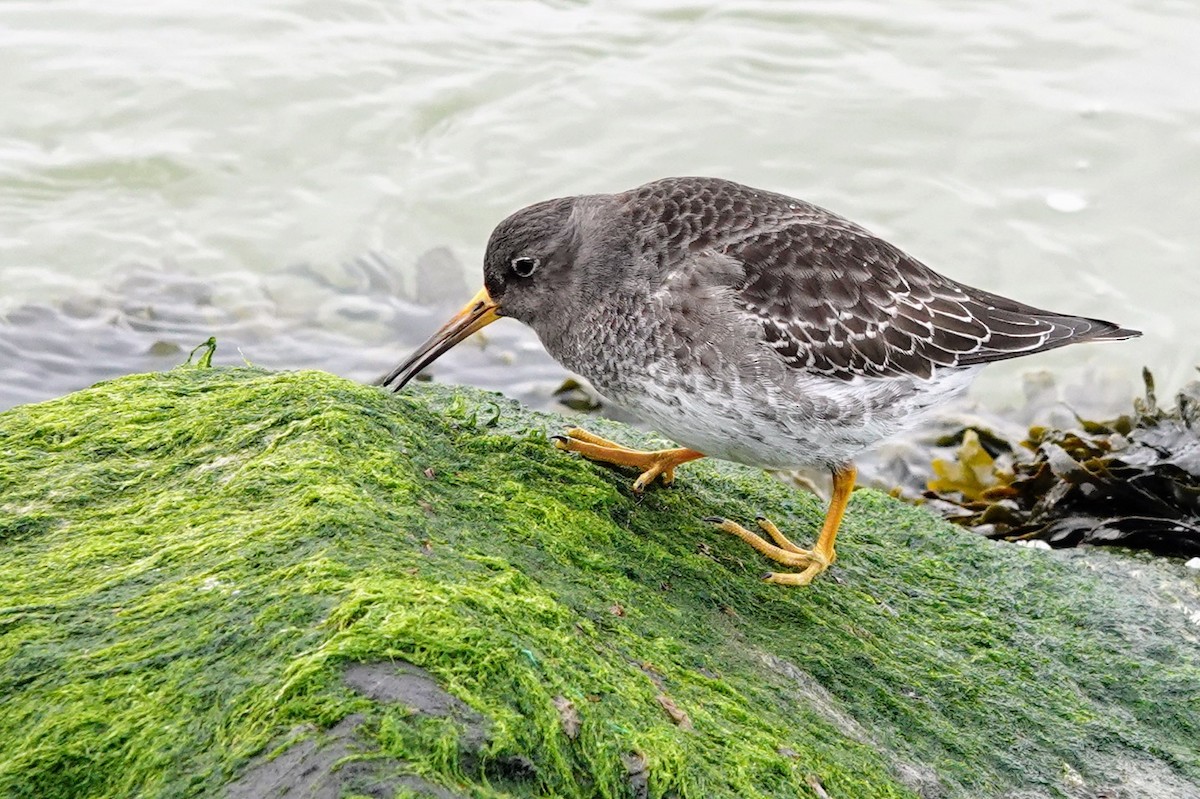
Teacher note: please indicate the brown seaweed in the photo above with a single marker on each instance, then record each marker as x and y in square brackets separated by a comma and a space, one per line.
[1133, 481]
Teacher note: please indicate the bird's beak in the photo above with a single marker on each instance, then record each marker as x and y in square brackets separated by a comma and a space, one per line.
[480, 312]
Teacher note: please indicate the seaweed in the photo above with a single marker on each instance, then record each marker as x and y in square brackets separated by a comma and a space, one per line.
[232, 582]
[578, 396]
[1132, 481]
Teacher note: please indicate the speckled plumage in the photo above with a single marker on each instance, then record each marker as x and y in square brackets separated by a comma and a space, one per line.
[752, 326]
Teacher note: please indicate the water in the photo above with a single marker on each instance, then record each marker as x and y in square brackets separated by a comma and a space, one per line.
[271, 173]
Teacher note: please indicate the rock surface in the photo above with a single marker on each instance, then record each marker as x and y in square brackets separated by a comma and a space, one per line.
[229, 582]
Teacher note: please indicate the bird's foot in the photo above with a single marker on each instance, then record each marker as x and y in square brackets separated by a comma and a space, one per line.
[811, 561]
[653, 463]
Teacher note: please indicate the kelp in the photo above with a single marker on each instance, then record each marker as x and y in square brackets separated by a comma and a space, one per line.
[578, 397]
[1133, 481]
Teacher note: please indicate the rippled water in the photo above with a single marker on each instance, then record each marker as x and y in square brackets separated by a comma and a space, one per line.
[272, 172]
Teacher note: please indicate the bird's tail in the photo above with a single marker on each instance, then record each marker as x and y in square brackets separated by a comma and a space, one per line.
[1110, 332]
[1081, 328]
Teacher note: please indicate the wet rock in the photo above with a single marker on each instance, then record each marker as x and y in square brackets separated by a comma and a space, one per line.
[242, 581]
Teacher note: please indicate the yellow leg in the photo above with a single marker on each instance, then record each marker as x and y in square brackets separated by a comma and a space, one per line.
[653, 464]
[811, 561]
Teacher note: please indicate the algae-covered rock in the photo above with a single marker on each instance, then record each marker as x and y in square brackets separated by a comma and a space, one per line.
[228, 582]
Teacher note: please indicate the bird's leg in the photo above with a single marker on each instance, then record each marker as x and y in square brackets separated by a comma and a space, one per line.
[811, 561]
[653, 463]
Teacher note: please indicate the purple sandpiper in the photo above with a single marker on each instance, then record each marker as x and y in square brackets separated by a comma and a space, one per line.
[744, 325]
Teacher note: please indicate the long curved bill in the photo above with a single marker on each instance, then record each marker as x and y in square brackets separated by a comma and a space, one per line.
[480, 312]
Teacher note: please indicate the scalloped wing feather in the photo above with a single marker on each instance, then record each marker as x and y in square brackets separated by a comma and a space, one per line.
[831, 298]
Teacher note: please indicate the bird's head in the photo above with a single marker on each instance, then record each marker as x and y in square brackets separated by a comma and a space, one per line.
[527, 271]
[527, 268]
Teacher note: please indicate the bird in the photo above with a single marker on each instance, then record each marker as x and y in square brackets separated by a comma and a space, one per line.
[744, 325]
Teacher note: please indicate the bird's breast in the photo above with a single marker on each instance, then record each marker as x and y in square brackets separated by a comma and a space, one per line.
[707, 381]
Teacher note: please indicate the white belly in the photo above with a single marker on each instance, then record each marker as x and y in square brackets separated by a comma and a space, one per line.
[802, 421]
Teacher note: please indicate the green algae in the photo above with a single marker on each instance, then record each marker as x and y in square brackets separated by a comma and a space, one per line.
[192, 559]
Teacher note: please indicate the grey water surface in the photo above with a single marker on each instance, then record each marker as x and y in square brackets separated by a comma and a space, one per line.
[313, 183]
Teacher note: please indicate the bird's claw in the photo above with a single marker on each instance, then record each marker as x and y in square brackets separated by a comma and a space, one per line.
[653, 464]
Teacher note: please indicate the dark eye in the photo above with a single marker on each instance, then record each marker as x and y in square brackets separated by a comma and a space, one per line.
[525, 266]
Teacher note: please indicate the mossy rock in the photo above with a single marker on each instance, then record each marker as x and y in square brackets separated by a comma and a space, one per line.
[230, 582]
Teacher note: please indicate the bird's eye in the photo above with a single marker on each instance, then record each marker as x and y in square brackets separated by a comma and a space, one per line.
[525, 266]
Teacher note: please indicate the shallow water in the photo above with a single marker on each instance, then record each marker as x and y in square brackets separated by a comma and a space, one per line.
[271, 173]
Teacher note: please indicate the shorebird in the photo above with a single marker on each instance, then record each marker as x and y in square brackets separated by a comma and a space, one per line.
[744, 325]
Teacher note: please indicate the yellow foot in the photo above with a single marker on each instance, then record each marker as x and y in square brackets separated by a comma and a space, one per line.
[811, 561]
[654, 464]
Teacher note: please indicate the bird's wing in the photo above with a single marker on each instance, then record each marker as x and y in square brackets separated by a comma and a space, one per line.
[835, 300]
